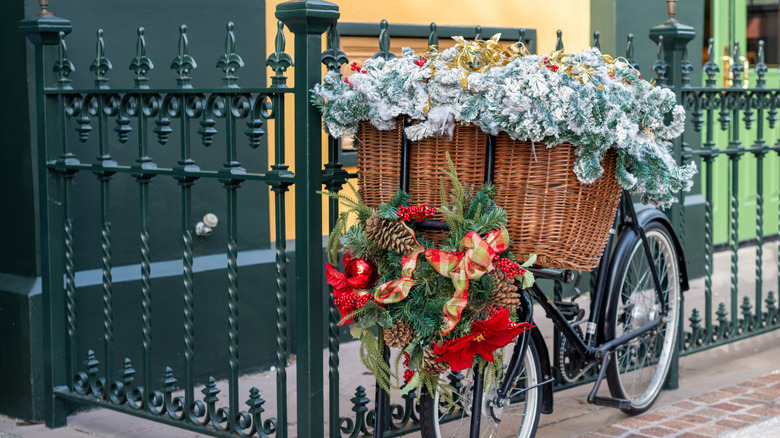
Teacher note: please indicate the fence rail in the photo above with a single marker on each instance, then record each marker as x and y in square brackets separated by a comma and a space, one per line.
[105, 118]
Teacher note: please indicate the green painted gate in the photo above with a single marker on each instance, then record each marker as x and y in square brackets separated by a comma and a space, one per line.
[142, 117]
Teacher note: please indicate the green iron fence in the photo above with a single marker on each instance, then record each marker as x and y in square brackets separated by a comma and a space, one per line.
[131, 115]
[730, 111]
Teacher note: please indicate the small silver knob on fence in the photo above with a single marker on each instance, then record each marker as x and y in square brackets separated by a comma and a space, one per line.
[205, 227]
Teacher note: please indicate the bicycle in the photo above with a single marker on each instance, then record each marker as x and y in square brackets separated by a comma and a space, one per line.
[630, 332]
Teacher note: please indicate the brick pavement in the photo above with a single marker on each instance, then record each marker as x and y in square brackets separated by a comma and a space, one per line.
[707, 415]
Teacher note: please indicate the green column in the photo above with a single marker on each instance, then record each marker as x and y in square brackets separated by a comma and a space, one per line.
[676, 37]
[42, 31]
[308, 20]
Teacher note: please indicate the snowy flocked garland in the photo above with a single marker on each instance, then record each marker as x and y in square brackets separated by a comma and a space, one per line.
[588, 99]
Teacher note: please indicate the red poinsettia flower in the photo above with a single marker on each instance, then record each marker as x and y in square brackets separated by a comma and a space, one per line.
[485, 337]
[347, 298]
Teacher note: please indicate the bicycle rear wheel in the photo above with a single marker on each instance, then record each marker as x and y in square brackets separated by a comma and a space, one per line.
[519, 418]
[638, 369]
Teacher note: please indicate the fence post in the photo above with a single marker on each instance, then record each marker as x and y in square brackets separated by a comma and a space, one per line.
[674, 69]
[44, 30]
[308, 20]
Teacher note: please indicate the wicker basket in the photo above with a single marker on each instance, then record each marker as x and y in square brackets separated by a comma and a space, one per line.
[551, 213]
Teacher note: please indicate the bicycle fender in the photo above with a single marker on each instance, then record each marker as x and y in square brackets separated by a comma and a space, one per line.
[653, 214]
[544, 362]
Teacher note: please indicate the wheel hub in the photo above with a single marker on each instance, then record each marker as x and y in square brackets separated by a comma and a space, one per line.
[641, 315]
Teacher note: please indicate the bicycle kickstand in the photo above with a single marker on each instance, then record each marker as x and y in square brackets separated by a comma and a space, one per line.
[606, 401]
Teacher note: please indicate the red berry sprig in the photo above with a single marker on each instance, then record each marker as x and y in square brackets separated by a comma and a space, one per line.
[549, 65]
[420, 62]
[346, 80]
[509, 267]
[351, 301]
[416, 212]
[408, 374]
[356, 67]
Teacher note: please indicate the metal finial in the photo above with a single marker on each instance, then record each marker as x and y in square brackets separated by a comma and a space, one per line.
[630, 51]
[596, 43]
[761, 67]
[141, 64]
[477, 33]
[521, 35]
[710, 67]
[671, 10]
[736, 69]
[183, 62]
[279, 61]
[559, 43]
[333, 57]
[433, 37]
[384, 42]
[661, 67]
[686, 68]
[63, 67]
[101, 65]
[44, 4]
[230, 61]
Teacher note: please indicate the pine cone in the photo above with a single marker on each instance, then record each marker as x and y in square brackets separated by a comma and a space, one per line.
[505, 293]
[399, 335]
[388, 234]
[432, 367]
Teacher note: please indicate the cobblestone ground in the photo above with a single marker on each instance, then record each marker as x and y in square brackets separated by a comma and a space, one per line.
[710, 414]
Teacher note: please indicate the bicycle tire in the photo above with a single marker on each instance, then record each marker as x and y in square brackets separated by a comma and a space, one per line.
[523, 411]
[638, 370]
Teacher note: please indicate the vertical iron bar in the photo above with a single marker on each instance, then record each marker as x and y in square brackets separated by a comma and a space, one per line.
[229, 176]
[186, 164]
[232, 253]
[70, 275]
[734, 154]
[333, 316]
[188, 300]
[104, 176]
[709, 158]
[70, 268]
[476, 406]
[146, 287]
[760, 152]
[144, 162]
[406, 151]
[490, 158]
[279, 190]
[708, 236]
[381, 397]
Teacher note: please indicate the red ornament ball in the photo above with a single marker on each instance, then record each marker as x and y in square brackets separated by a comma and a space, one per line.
[361, 273]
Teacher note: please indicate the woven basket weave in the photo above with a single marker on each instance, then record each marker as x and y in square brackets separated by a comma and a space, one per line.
[551, 214]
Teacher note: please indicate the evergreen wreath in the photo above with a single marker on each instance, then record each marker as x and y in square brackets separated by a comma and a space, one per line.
[443, 306]
[587, 99]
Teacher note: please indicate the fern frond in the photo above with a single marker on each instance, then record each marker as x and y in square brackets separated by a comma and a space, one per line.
[371, 355]
[334, 239]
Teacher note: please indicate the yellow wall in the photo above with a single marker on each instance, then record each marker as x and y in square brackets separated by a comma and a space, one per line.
[571, 16]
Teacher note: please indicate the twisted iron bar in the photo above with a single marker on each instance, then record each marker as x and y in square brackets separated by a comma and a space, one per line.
[232, 269]
[107, 286]
[70, 275]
